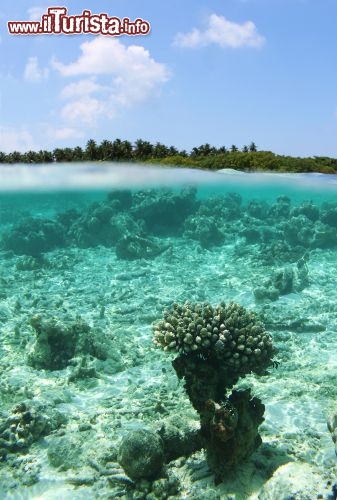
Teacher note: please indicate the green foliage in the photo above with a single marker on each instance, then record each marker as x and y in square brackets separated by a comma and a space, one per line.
[205, 157]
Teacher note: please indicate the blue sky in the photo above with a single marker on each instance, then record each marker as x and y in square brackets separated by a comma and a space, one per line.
[223, 72]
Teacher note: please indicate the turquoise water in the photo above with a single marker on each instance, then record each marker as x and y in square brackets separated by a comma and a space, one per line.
[92, 256]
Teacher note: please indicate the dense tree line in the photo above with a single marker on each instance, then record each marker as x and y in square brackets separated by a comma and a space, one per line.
[248, 158]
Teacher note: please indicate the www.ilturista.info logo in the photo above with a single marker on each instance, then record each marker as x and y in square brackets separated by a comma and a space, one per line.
[56, 22]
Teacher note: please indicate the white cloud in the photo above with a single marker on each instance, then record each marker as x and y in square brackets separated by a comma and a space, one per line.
[220, 31]
[84, 111]
[35, 13]
[135, 76]
[83, 87]
[12, 139]
[32, 71]
[64, 133]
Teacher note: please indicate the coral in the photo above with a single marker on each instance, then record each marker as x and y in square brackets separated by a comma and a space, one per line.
[122, 225]
[216, 346]
[203, 229]
[230, 430]
[120, 199]
[93, 227]
[290, 279]
[329, 215]
[25, 425]
[308, 209]
[224, 208]
[60, 339]
[141, 454]
[299, 231]
[29, 263]
[226, 333]
[324, 237]
[55, 342]
[163, 210]
[132, 247]
[34, 236]
[179, 440]
[257, 209]
[280, 209]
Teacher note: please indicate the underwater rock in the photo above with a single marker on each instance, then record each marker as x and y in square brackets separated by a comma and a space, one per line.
[65, 452]
[291, 481]
[286, 280]
[29, 263]
[163, 210]
[141, 454]
[55, 342]
[34, 236]
[332, 426]
[60, 339]
[132, 247]
[291, 278]
[266, 292]
[203, 229]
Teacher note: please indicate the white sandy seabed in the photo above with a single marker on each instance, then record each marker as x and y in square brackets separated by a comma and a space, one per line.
[296, 459]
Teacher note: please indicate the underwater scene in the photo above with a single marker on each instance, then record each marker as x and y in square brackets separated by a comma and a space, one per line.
[167, 334]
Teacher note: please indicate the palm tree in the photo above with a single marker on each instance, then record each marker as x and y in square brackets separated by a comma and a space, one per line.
[15, 157]
[160, 150]
[143, 150]
[78, 154]
[106, 150]
[252, 147]
[91, 150]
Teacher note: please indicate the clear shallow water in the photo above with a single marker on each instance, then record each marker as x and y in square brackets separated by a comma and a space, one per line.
[268, 242]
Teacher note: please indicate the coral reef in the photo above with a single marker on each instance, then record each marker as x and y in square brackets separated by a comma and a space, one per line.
[217, 346]
[203, 229]
[163, 210]
[128, 220]
[34, 236]
[25, 425]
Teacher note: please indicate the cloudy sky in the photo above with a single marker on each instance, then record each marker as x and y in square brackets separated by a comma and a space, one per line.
[222, 71]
